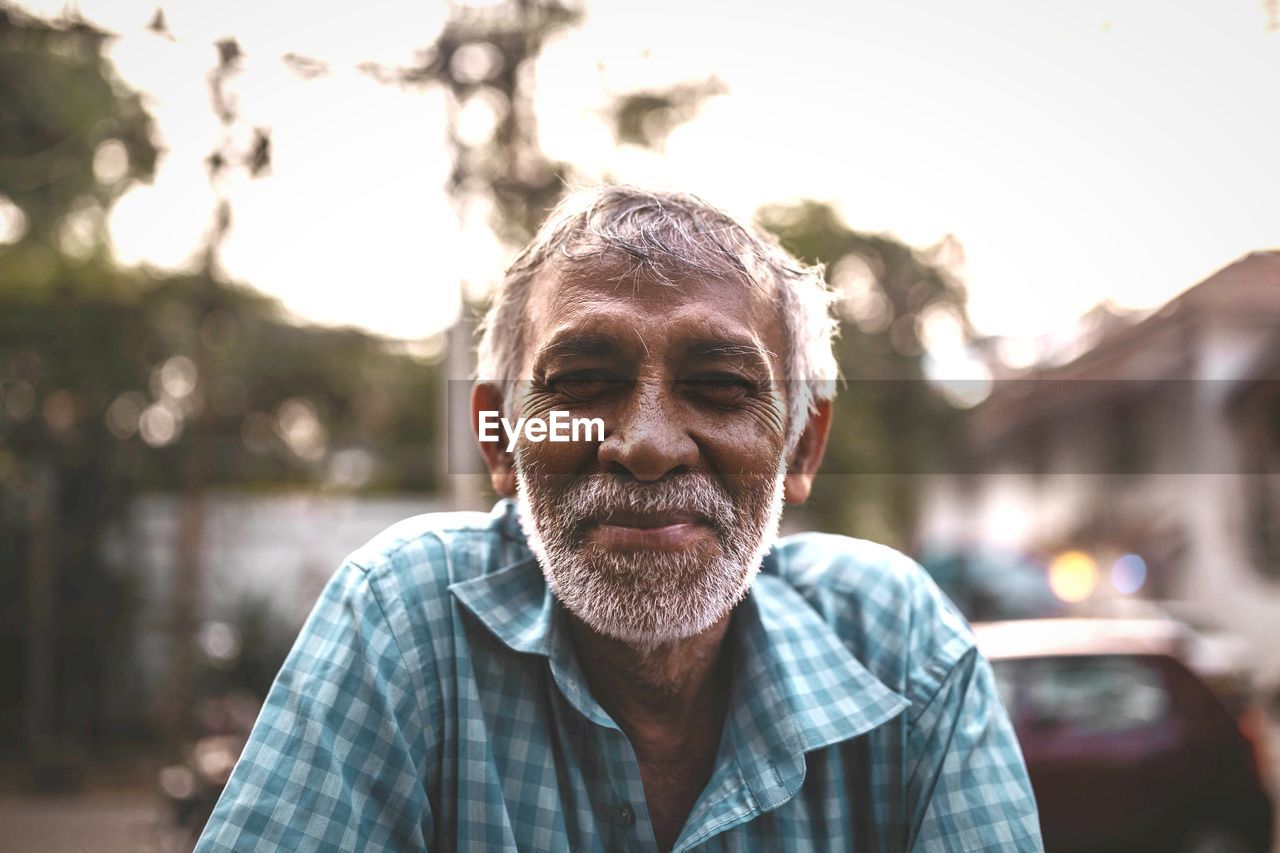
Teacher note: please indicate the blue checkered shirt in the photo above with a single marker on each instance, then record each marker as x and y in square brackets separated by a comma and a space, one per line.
[433, 701]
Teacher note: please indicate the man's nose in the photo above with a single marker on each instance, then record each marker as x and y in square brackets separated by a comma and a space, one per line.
[648, 439]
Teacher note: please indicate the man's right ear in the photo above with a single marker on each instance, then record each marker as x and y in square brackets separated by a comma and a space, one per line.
[487, 397]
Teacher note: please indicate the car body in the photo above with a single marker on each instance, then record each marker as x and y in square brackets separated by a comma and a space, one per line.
[1127, 748]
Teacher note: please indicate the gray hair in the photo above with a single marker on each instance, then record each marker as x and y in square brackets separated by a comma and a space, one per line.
[664, 236]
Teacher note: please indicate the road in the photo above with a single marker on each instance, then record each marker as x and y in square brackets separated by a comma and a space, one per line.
[96, 822]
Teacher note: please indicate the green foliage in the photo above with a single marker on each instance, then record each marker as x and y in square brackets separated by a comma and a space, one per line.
[62, 104]
[79, 350]
[890, 424]
[272, 406]
[646, 117]
[488, 52]
[114, 381]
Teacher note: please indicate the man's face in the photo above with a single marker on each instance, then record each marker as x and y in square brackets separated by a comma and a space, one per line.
[654, 533]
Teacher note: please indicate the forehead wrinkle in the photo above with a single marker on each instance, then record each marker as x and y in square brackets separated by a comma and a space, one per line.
[548, 306]
[590, 306]
[719, 338]
[716, 348]
[643, 344]
[571, 340]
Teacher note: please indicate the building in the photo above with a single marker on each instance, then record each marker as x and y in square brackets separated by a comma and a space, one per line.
[1159, 444]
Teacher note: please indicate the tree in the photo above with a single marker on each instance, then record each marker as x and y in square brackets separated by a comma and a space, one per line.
[74, 138]
[117, 380]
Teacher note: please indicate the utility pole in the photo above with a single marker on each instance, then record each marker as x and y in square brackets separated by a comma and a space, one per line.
[483, 58]
[197, 463]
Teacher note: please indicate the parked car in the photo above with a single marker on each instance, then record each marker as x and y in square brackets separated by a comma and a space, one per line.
[1220, 658]
[1127, 748]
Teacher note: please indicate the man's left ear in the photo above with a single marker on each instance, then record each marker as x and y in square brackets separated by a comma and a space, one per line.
[807, 457]
[487, 396]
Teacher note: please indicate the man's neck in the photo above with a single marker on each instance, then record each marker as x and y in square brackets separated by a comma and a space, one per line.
[671, 701]
[660, 685]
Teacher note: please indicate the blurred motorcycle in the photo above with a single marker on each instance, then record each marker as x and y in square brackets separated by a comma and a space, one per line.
[192, 787]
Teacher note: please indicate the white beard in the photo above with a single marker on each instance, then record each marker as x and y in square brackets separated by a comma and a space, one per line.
[649, 598]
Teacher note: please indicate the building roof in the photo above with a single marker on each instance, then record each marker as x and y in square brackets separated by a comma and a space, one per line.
[1156, 347]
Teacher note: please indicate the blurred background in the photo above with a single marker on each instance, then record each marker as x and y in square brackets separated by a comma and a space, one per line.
[243, 249]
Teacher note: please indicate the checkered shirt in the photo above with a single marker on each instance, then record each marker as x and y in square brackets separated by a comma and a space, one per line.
[433, 701]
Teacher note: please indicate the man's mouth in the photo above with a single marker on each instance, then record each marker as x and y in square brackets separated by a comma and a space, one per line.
[658, 531]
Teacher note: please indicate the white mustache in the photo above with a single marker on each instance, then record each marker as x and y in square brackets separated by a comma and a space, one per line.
[601, 494]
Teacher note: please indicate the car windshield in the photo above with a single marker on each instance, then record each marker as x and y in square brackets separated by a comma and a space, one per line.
[1086, 694]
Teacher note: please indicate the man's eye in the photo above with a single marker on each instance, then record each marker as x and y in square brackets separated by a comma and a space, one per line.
[720, 388]
[584, 385]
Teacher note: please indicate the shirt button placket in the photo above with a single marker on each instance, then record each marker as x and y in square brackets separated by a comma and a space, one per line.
[626, 815]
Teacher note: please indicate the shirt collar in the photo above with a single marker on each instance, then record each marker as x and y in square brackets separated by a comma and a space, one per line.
[514, 602]
[799, 687]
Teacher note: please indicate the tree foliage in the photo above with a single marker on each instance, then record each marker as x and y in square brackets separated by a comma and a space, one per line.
[646, 117]
[65, 112]
[487, 54]
[114, 381]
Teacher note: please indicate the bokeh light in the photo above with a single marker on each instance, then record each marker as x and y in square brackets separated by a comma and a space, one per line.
[111, 162]
[298, 426]
[221, 643]
[19, 399]
[1128, 574]
[13, 222]
[160, 424]
[476, 62]
[1073, 576]
[175, 379]
[124, 412]
[59, 411]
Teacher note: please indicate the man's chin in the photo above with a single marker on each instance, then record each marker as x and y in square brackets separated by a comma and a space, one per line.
[648, 599]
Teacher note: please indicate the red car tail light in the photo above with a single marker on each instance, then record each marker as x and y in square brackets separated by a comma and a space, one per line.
[1253, 725]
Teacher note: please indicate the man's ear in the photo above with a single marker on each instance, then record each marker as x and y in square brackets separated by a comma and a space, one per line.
[805, 459]
[487, 397]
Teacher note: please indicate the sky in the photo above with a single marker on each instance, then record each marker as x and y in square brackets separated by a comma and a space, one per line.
[1093, 150]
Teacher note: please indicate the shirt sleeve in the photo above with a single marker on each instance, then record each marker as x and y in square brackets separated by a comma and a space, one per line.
[334, 760]
[967, 781]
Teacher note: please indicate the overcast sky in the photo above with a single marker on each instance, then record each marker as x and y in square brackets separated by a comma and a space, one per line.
[1079, 151]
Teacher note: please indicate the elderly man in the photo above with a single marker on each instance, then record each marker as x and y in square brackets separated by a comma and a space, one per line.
[622, 656]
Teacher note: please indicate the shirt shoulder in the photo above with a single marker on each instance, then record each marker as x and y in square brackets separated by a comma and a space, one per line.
[882, 604]
[404, 573]
[423, 555]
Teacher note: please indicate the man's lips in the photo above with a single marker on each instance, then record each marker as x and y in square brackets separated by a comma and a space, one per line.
[646, 520]
[625, 531]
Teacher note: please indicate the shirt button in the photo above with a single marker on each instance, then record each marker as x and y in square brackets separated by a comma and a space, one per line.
[626, 816]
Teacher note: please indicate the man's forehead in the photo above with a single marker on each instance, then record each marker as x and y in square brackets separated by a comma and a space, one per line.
[610, 332]
[597, 301]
